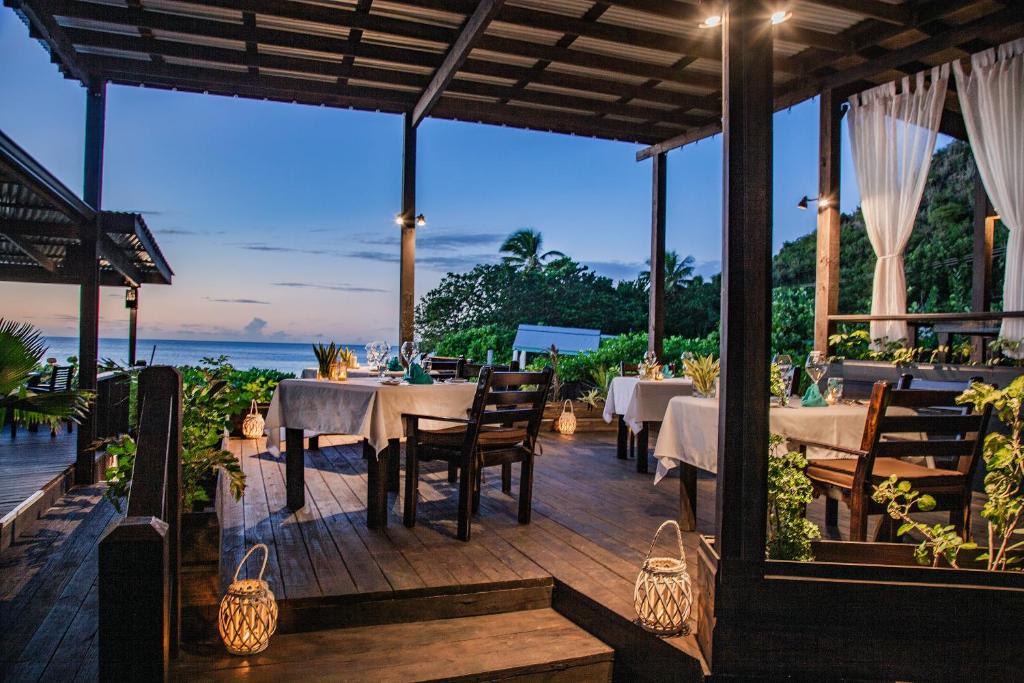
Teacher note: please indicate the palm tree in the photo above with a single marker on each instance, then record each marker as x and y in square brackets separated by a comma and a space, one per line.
[524, 249]
[21, 348]
[677, 271]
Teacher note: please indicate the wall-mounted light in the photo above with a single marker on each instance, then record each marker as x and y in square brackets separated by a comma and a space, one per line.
[712, 21]
[780, 16]
[131, 298]
[421, 221]
[805, 200]
[399, 221]
[713, 14]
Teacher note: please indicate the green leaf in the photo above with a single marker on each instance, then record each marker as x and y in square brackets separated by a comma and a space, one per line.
[925, 503]
[904, 528]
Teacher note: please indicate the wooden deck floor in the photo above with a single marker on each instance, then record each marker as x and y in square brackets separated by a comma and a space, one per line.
[31, 461]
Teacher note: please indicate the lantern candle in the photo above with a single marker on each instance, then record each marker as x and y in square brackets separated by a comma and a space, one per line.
[248, 612]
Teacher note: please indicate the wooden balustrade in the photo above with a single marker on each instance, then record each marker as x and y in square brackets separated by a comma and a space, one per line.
[139, 559]
[112, 406]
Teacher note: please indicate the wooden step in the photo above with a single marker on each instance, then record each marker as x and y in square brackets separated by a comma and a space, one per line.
[532, 645]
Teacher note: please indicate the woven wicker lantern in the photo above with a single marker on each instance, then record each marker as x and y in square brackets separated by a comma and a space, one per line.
[567, 420]
[662, 596]
[253, 424]
[248, 612]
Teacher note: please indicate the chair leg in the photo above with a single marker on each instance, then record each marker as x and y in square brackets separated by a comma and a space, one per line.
[477, 484]
[70, 425]
[831, 513]
[526, 489]
[412, 484]
[467, 476]
[961, 519]
[453, 472]
[14, 427]
[886, 531]
[506, 478]
[858, 518]
[33, 427]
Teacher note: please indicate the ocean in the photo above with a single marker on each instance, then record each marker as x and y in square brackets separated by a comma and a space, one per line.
[287, 357]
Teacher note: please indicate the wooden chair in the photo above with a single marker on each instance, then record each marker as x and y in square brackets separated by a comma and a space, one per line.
[446, 366]
[61, 379]
[888, 438]
[471, 370]
[501, 429]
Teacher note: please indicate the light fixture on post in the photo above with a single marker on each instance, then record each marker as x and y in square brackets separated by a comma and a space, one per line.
[805, 200]
[131, 298]
[399, 220]
[780, 16]
[421, 221]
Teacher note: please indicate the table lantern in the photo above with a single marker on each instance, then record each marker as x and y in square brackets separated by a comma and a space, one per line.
[662, 596]
[248, 611]
[339, 371]
[253, 424]
[566, 423]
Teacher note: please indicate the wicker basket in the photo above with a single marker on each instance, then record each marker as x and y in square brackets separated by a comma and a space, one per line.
[662, 596]
[248, 612]
[253, 424]
[566, 423]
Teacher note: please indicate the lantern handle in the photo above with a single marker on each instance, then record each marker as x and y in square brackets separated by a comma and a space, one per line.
[266, 556]
[679, 538]
[254, 408]
[568, 404]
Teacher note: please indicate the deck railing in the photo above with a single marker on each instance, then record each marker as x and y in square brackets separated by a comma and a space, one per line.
[139, 559]
[113, 401]
[978, 325]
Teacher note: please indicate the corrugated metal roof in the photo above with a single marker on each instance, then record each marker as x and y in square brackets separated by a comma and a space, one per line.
[568, 340]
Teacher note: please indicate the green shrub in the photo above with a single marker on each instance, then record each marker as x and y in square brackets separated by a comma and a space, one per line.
[475, 342]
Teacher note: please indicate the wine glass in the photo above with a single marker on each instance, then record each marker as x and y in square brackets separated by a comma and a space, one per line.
[688, 358]
[816, 366]
[383, 355]
[408, 351]
[371, 355]
[785, 365]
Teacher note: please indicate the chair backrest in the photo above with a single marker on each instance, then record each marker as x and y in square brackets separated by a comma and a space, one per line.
[60, 379]
[628, 369]
[509, 399]
[908, 381]
[447, 366]
[898, 434]
[470, 370]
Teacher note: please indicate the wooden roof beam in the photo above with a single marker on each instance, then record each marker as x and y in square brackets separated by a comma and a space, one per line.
[30, 250]
[43, 25]
[474, 28]
[118, 260]
[809, 87]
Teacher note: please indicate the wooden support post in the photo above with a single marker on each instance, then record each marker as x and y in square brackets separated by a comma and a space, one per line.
[981, 275]
[134, 609]
[407, 275]
[656, 312]
[826, 291]
[87, 267]
[294, 469]
[746, 288]
[133, 330]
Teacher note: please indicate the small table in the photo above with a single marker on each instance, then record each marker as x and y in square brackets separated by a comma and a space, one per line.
[638, 403]
[689, 438]
[360, 407]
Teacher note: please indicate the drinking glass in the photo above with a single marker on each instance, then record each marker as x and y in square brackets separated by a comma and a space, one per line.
[382, 351]
[407, 350]
[371, 355]
[687, 358]
[816, 366]
[785, 364]
[834, 390]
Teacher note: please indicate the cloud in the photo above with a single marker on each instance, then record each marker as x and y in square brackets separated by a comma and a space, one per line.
[238, 301]
[443, 264]
[255, 327]
[276, 249]
[433, 239]
[382, 256]
[617, 270]
[330, 287]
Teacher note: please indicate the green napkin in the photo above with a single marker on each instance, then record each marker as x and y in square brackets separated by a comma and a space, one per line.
[666, 371]
[417, 375]
[395, 365]
[812, 398]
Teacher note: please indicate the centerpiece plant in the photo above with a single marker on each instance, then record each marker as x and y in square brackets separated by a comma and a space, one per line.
[1004, 490]
[789, 532]
[326, 356]
[703, 370]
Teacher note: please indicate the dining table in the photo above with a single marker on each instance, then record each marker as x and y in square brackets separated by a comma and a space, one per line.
[638, 404]
[363, 407]
[688, 438]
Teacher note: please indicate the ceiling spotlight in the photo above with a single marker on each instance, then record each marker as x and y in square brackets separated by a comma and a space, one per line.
[780, 16]
[421, 220]
[713, 21]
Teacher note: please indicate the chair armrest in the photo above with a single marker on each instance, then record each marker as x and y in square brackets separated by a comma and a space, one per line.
[829, 447]
[417, 417]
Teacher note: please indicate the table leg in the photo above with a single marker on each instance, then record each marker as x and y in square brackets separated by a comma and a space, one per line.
[376, 487]
[621, 439]
[641, 448]
[687, 497]
[294, 469]
[314, 443]
[394, 468]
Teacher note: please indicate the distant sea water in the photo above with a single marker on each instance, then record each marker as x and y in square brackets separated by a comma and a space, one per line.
[287, 357]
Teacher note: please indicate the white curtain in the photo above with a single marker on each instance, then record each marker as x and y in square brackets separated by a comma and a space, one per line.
[992, 100]
[892, 132]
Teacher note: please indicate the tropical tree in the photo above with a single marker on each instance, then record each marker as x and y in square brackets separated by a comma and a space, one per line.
[21, 349]
[677, 271]
[524, 248]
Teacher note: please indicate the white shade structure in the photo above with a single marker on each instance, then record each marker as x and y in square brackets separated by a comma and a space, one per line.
[892, 133]
[992, 99]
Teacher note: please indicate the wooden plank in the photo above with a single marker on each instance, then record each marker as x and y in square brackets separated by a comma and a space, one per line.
[472, 30]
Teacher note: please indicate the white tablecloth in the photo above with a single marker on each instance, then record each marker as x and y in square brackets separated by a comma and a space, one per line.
[689, 432]
[361, 407]
[640, 401]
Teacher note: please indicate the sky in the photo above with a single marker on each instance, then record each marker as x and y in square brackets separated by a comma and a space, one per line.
[278, 219]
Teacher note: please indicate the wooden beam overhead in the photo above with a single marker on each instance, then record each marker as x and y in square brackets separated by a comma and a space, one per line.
[39, 228]
[474, 28]
[118, 260]
[30, 250]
